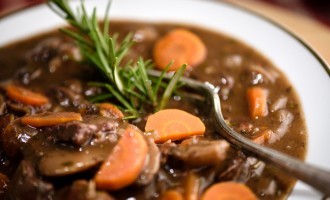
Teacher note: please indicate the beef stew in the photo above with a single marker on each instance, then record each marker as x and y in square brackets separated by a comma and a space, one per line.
[60, 161]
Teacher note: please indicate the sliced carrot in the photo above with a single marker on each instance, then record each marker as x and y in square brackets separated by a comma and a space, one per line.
[50, 118]
[228, 190]
[108, 109]
[174, 124]
[181, 46]
[257, 100]
[26, 96]
[171, 195]
[125, 163]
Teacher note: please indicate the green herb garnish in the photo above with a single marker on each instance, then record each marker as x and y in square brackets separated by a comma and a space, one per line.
[130, 85]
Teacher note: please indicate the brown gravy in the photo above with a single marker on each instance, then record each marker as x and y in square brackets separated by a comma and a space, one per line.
[230, 64]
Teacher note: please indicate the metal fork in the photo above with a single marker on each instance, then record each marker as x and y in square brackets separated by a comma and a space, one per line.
[312, 175]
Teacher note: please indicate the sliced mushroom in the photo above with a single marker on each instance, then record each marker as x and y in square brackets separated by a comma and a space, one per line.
[151, 164]
[202, 153]
[61, 162]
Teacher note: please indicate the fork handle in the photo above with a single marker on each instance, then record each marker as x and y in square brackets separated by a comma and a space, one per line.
[314, 176]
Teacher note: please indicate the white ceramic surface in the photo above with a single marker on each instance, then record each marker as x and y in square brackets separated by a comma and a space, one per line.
[303, 67]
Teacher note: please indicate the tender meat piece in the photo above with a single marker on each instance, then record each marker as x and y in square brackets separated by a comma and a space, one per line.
[92, 130]
[76, 132]
[26, 185]
[15, 137]
[107, 128]
[82, 190]
[202, 153]
[152, 163]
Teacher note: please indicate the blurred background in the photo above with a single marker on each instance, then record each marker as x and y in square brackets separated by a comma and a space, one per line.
[317, 9]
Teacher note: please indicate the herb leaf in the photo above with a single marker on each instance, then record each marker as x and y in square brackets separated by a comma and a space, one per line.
[128, 85]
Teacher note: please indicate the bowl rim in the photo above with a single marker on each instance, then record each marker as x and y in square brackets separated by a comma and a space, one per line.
[272, 22]
[300, 39]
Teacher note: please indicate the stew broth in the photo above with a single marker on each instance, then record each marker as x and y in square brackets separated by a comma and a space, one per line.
[48, 64]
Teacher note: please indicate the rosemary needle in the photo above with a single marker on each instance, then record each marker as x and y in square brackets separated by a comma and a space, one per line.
[130, 85]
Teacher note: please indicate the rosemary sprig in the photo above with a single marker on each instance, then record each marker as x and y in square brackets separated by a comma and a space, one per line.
[130, 85]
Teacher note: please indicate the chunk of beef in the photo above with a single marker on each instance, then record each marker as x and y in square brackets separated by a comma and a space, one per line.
[26, 185]
[107, 128]
[92, 130]
[78, 133]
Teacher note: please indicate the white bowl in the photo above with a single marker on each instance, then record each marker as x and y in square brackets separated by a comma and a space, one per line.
[308, 73]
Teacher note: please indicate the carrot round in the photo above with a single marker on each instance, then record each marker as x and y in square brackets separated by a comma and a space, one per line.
[50, 118]
[257, 100]
[125, 163]
[26, 96]
[108, 109]
[174, 124]
[171, 195]
[180, 46]
[228, 190]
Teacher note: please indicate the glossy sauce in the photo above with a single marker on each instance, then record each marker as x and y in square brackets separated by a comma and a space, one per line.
[230, 64]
